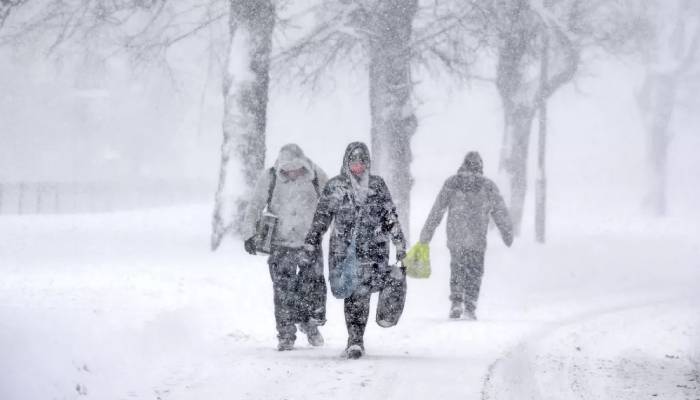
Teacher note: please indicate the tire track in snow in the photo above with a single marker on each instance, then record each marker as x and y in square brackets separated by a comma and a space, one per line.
[522, 358]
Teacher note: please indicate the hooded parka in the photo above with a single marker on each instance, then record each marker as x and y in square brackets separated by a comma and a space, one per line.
[299, 289]
[359, 206]
[470, 200]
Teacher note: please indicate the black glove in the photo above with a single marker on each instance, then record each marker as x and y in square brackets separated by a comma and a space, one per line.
[400, 254]
[249, 245]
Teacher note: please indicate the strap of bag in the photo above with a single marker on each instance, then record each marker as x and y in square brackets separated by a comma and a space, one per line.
[316, 184]
[271, 188]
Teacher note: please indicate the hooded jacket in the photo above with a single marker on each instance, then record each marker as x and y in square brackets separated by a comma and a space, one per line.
[373, 222]
[470, 199]
[293, 201]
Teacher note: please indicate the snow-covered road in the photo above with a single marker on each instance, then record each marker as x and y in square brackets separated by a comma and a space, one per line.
[648, 351]
[133, 305]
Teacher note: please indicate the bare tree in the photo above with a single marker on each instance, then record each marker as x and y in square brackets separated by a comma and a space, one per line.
[671, 60]
[387, 40]
[451, 35]
[6, 7]
[535, 37]
[541, 180]
[522, 31]
[393, 118]
[147, 30]
[375, 36]
[245, 90]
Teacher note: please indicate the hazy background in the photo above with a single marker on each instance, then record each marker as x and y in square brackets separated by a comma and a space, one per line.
[65, 122]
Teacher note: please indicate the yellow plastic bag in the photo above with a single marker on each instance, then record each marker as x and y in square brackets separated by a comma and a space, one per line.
[417, 261]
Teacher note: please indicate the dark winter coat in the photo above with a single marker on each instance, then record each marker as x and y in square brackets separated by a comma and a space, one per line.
[470, 199]
[374, 221]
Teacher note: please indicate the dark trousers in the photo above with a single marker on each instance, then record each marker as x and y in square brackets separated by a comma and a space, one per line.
[467, 269]
[299, 291]
[357, 305]
[356, 315]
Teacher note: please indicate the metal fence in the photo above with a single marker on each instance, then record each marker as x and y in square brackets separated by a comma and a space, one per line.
[80, 197]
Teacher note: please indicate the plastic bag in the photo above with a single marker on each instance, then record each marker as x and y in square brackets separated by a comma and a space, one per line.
[392, 297]
[345, 277]
[417, 261]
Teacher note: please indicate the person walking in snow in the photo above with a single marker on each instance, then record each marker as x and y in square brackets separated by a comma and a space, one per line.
[470, 198]
[290, 190]
[360, 206]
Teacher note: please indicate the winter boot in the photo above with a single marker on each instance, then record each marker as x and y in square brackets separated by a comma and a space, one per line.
[312, 334]
[456, 309]
[285, 344]
[469, 314]
[354, 351]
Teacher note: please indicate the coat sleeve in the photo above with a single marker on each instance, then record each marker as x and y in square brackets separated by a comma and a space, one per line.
[500, 215]
[256, 205]
[322, 177]
[325, 211]
[391, 220]
[436, 213]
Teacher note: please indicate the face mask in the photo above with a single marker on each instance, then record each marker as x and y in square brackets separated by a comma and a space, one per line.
[294, 173]
[357, 168]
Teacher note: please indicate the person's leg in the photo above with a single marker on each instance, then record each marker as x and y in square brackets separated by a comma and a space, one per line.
[356, 315]
[458, 276]
[283, 274]
[474, 274]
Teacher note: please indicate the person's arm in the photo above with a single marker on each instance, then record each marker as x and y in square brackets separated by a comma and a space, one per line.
[321, 177]
[325, 211]
[500, 215]
[256, 205]
[390, 221]
[435, 217]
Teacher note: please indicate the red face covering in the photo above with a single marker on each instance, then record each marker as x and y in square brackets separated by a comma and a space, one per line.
[357, 168]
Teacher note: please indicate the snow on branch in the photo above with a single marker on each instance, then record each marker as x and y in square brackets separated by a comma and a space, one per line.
[448, 37]
[143, 29]
[335, 35]
[6, 7]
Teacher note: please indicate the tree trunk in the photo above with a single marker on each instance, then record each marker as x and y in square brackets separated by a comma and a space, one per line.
[518, 96]
[393, 118]
[518, 125]
[662, 101]
[541, 184]
[5, 9]
[245, 92]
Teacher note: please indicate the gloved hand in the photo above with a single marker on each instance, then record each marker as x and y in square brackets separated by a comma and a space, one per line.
[249, 245]
[400, 254]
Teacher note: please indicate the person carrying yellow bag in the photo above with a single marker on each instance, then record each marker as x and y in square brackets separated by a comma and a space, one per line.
[470, 199]
[417, 261]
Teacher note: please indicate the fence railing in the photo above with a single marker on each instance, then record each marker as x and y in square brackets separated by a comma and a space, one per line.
[80, 197]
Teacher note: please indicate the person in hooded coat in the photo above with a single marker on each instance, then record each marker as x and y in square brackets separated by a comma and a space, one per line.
[360, 206]
[470, 199]
[292, 188]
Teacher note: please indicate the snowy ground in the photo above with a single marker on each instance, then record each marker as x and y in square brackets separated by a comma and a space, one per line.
[133, 305]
